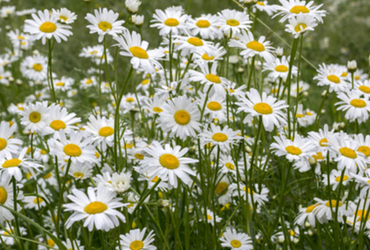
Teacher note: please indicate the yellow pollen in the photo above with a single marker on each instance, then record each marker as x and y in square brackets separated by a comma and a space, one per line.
[263, 108]
[358, 103]
[11, 163]
[257, 46]
[182, 117]
[157, 109]
[3, 143]
[293, 150]
[3, 195]
[195, 41]
[333, 203]
[338, 178]
[213, 78]
[368, 182]
[78, 175]
[37, 67]
[334, 79]
[299, 9]
[281, 68]
[300, 27]
[232, 22]
[64, 18]
[155, 179]
[203, 24]
[104, 26]
[235, 243]
[214, 106]
[95, 207]
[50, 242]
[357, 77]
[219, 137]
[88, 81]
[97, 155]
[229, 165]
[145, 81]
[299, 115]
[172, 22]
[344, 74]
[139, 156]
[136, 245]
[323, 142]
[43, 152]
[365, 150]
[130, 99]
[169, 161]
[38, 200]
[106, 131]
[21, 37]
[48, 27]
[138, 52]
[308, 113]
[48, 175]
[72, 150]
[57, 125]
[348, 152]
[60, 84]
[221, 187]
[261, 3]
[209, 217]
[35, 117]
[364, 89]
[207, 58]
[309, 209]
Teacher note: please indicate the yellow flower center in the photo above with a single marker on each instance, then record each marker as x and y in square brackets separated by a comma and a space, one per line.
[293, 150]
[281, 68]
[139, 156]
[172, 22]
[333, 203]
[334, 79]
[57, 125]
[207, 58]
[235, 243]
[130, 99]
[209, 217]
[220, 137]
[358, 103]
[213, 78]
[323, 142]
[365, 150]
[203, 24]
[169, 161]
[195, 41]
[338, 178]
[182, 117]
[214, 106]
[48, 27]
[222, 186]
[299, 9]
[78, 175]
[229, 165]
[11, 163]
[344, 74]
[318, 156]
[88, 81]
[38, 200]
[3, 143]
[145, 81]
[48, 175]
[300, 27]
[72, 150]
[3, 195]
[257, 46]
[104, 26]
[155, 179]
[357, 77]
[37, 67]
[157, 109]
[64, 18]
[21, 37]
[136, 245]
[348, 152]
[364, 89]
[138, 52]
[60, 84]
[35, 117]
[232, 22]
[299, 115]
[309, 209]
[106, 131]
[43, 152]
[262, 108]
[95, 207]
[50, 242]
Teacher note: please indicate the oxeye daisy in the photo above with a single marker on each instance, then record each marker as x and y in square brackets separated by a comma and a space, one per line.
[77, 147]
[170, 21]
[224, 138]
[169, 163]
[80, 171]
[259, 194]
[135, 240]
[65, 83]
[364, 144]
[300, 24]
[228, 165]
[20, 39]
[363, 86]
[206, 26]
[279, 68]
[215, 107]
[233, 21]
[251, 47]
[98, 209]
[35, 67]
[104, 22]
[34, 116]
[34, 202]
[117, 182]
[101, 129]
[58, 119]
[357, 107]
[191, 44]
[141, 58]
[211, 217]
[8, 145]
[327, 209]
[64, 15]
[6, 197]
[215, 54]
[45, 26]
[154, 105]
[335, 178]
[223, 191]
[180, 117]
[293, 8]
[363, 183]
[332, 75]
[265, 6]
[320, 139]
[236, 241]
[267, 107]
[88, 82]
[306, 214]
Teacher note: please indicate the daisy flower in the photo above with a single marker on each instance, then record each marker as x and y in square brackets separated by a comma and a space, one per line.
[206, 26]
[215, 107]
[224, 138]
[80, 171]
[34, 116]
[141, 58]
[327, 209]
[191, 44]
[170, 21]
[132, 6]
[180, 117]
[45, 26]
[236, 241]
[279, 68]
[363, 86]
[64, 15]
[229, 166]
[63, 84]
[34, 202]
[300, 24]
[233, 21]
[264, 6]
[211, 217]
[73, 244]
[117, 182]
[320, 139]
[35, 67]
[135, 240]
[364, 144]
[88, 82]
[357, 107]
[169, 163]
[101, 130]
[223, 191]
[332, 75]
[306, 214]
[293, 8]
[215, 54]
[20, 39]
[268, 107]
[251, 47]
[97, 209]
[259, 195]
[154, 105]
[8, 144]
[7, 235]
[104, 22]
[335, 178]
[363, 183]
[6, 197]
[58, 119]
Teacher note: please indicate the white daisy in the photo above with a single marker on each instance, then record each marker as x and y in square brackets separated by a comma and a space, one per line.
[64, 15]
[135, 240]
[35, 116]
[333, 76]
[233, 21]
[58, 119]
[293, 8]
[206, 26]
[170, 21]
[101, 130]
[34, 68]
[300, 24]
[357, 107]
[327, 209]
[8, 144]
[6, 197]
[224, 138]
[236, 241]
[279, 68]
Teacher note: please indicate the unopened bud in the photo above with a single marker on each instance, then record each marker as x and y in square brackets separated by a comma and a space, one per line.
[295, 240]
[352, 66]
[138, 20]
[279, 52]
[163, 203]
[323, 111]
[324, 93]
[307, 224]
[132, 5]
[310, 232]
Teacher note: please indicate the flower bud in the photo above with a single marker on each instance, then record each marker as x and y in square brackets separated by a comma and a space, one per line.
[132, 5]
[279, 52]
[138, 20]
[352, 66]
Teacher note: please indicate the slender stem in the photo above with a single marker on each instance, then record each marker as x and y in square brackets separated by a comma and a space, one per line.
[50, 69]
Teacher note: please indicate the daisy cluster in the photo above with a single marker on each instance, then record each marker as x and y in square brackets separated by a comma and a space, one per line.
[205, 141]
